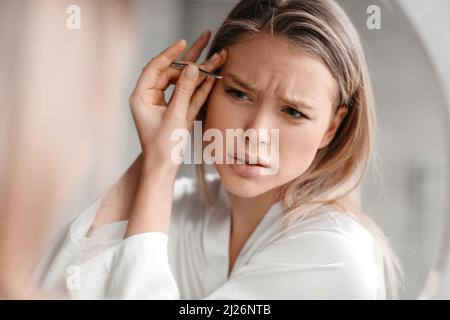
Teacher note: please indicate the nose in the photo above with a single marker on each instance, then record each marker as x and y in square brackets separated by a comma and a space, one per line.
[261, 124]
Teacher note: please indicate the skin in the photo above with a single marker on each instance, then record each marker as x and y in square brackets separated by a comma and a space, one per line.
[144, 193]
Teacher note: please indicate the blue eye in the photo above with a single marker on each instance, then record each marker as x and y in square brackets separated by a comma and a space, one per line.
[236, 94]
[294, 113]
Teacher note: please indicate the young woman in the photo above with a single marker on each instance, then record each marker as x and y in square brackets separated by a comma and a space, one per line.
[296, 66]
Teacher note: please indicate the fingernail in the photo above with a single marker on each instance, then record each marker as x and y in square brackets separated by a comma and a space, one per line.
[191, 71]
[204, 33]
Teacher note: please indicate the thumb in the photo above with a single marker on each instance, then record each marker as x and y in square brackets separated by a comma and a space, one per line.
[184, 90]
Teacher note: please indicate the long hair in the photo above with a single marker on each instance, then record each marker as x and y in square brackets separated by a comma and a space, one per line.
[321, 28]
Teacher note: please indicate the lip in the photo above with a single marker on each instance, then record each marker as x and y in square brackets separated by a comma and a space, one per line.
[242, 169]
[259, 163]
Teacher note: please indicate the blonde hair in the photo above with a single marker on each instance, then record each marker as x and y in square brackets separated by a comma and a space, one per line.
[323, 29]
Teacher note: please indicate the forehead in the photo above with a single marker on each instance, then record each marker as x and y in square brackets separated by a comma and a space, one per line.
[275, 66]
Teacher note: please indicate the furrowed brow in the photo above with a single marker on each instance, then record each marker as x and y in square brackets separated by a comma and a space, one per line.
[240, 82]
[293, 102]
[298, 103]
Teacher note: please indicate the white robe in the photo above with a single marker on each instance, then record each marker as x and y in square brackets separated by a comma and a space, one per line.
[328, 256]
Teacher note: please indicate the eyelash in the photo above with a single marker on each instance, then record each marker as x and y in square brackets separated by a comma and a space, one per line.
[232, 92]
[299, 115]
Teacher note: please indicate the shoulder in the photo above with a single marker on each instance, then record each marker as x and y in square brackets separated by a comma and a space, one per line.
[338, 253]
[330, 229]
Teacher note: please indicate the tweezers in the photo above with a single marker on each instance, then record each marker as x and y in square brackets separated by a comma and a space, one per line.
[181, 66]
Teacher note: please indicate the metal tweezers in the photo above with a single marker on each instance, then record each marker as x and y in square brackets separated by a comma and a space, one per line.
[181, 66]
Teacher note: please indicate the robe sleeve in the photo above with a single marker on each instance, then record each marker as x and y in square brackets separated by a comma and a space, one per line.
[134, 268]
[105, 265]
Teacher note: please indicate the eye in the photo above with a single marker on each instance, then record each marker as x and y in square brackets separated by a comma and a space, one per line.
[294, 113]
[237, 94]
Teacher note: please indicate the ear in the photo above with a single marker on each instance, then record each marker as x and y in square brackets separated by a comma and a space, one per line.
[338, 116]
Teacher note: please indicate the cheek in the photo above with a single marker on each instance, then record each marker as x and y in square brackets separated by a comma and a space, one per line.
[297, 149]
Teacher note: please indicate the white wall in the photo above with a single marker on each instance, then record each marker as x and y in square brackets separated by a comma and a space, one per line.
[430, 20]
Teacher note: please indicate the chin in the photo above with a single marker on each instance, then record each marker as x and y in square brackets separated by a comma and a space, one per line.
[242, 186]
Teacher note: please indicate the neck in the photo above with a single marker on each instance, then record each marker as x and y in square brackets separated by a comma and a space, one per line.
[247, 213]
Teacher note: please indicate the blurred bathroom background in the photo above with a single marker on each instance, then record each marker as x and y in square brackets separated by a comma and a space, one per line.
[406, 194]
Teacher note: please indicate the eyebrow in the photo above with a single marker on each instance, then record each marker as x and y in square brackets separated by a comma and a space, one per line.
[297, 102]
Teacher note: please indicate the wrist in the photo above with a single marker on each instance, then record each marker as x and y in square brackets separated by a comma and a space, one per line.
[152, 165]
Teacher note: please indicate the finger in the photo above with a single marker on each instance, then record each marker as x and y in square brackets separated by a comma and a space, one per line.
[155, 68]
[171, 75]
[202, 93]
[199, 98]
[184, 90]
[214, 62]
[197, 48]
